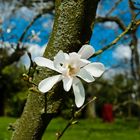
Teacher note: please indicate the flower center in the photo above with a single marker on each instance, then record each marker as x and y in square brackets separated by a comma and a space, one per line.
[72, 70]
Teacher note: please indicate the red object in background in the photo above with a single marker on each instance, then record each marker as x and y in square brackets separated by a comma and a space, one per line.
[107, 113]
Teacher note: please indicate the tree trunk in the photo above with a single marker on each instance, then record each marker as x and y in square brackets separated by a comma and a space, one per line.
[73, 25]
[91, 111]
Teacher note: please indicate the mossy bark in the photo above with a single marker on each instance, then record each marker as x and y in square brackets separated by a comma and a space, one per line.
[73, 25]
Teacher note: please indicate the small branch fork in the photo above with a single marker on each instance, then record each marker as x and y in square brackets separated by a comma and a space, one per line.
[73, 120]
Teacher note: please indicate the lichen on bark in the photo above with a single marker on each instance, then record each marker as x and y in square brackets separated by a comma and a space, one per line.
[72, 28]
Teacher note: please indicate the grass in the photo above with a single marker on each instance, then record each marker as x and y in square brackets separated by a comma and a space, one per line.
[4, 133]
[84, 130]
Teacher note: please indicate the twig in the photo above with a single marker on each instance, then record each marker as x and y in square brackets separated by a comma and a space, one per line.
[77, 112]
[137, 22]
[27, 28]
[32, 67]
[113, 8]
[115, 40]
[72, 121]
[60, 134]
[28, 79]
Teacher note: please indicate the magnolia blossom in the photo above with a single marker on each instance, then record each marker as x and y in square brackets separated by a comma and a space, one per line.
[35, 36]
[71, 68]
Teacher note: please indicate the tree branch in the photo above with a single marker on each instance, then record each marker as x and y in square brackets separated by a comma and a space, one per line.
[14, 57]
[32, 22]
[112, 19]
[129, 28]
[113, 8]
[73, 121]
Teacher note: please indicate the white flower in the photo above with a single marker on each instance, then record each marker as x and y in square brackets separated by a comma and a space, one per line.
[71, 66]
[35, 36]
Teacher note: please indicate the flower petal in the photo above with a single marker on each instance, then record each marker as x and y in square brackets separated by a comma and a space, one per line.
[59, 57]
[83, 62]
[73, 59]
[86, 51]
[76, 61]
[44, 62]
[67, 83]
[74, 56]
[95, 69]
[86, 76]
[59, 60]
[79, 92]
[46, 84]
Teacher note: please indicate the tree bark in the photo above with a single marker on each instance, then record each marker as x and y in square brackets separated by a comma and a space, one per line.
[73, 26]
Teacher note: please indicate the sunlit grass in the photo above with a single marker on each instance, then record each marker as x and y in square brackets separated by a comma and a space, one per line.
[84, 130]
[96, 130]
[4, 123]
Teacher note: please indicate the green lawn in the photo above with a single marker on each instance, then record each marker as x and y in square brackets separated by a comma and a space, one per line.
[84, 130]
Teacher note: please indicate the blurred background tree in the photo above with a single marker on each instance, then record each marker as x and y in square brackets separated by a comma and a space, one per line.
[12, 87]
